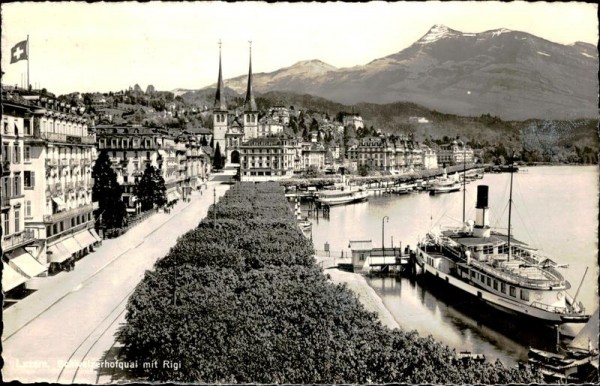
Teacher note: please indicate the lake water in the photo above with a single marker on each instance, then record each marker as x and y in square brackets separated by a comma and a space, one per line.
[555, 208]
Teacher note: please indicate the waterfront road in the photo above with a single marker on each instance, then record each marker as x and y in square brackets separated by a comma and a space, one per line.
[64, 331]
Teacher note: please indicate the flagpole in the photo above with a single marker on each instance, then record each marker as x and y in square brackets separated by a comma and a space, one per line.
[28, 54]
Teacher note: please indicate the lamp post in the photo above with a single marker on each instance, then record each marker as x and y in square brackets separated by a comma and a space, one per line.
[383, 234]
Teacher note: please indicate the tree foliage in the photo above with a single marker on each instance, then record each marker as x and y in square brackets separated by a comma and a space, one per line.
[107, 192]
[218, 159]
[242, 301]
[151, 189]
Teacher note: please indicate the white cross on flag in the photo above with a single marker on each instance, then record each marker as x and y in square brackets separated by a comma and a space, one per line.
[18, 52]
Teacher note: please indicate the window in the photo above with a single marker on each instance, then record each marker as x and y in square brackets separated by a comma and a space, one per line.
[54, 229]
[17, 220]
[495, 284]
[29, 179]
[17, 154]
[525, 295]
[503, 288]
[6, 187]
[17, 184]
[488, 249]
[513, 291]
[48, 231]
[489, 281]
[72, 222]
[6, 224]
[28, 208]
[27, 154]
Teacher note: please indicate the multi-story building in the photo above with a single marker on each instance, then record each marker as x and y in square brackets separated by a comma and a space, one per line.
[455, 153]
[268, 158]
[228, 132]
[58, 153]
[381, 154]
[131, 148]
[281, 114]
[374, 153]
[314, 156]
[19, 247]
[268, 126]
[353, 119]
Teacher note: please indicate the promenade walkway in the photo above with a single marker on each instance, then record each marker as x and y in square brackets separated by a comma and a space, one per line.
[60, 332]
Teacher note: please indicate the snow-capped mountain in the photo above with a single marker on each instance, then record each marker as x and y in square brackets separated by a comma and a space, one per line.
[511, 74]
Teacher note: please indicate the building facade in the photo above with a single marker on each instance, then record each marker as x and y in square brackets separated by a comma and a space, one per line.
[269, 158]
[229, 130]
[19, 247]
[455, 153]
[57, 157]
[179, 158]
[401, 156]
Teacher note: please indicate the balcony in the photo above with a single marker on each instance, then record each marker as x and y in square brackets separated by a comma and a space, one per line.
[17, 239]
[4, 201]
[50, 162]
[52, 218]
[70, 139]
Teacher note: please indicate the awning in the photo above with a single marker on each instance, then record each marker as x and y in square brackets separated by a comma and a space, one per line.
[23, 261]
[72, 245]
[11, 278]
[94, 234]
[84, 238]
[59, 201]
[58, 253]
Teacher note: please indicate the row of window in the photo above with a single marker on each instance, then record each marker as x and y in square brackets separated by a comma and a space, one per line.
[493, 283]
[126, 143]
[61, 226]
[26, 124]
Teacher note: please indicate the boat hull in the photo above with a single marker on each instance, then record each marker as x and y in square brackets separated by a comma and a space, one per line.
[498, 302]
[354, 198]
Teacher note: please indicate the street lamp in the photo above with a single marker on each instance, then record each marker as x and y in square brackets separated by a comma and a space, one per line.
[383, 234]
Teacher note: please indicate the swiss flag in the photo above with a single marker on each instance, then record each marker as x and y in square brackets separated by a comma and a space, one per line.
[18, 52]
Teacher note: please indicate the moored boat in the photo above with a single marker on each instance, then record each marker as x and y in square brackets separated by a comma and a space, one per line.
[342, 195]
[498, 269]
[445, 184]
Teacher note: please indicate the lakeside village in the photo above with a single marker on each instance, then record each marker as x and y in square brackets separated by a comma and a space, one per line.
[70, 179]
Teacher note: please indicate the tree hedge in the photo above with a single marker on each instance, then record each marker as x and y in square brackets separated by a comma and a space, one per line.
[244, 302]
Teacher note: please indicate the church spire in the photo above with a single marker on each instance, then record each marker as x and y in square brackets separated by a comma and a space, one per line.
[249, 103]
[220, 95]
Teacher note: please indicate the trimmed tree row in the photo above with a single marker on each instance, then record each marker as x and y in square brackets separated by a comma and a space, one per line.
[242, 301]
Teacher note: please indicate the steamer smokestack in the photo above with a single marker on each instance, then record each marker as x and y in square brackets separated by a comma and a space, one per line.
[482, 220]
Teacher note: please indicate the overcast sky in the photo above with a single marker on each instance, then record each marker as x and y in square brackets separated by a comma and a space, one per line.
[110, 46]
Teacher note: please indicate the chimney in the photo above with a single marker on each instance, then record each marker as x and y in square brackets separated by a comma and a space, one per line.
[482, 220]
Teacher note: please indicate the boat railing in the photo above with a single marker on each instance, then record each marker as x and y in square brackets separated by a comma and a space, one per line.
[515, 278]
[547, 307]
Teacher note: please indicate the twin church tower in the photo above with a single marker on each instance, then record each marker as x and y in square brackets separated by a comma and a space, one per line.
[228, 131]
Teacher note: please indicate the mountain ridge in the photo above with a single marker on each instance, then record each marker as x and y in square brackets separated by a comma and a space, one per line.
[506, 73]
